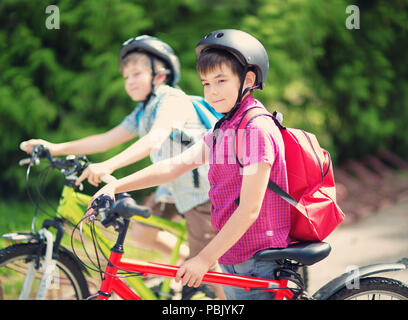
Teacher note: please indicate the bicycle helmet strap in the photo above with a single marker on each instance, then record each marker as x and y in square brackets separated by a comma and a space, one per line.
[241, 94]
[153, 92]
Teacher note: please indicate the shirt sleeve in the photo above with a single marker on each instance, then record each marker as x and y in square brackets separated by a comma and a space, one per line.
[130, 122]
[259, 144]
[175, 110]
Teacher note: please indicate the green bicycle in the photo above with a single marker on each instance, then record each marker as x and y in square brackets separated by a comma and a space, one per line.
[38, 266]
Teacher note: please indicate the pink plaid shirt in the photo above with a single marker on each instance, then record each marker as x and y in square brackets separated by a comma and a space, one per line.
[263, 144]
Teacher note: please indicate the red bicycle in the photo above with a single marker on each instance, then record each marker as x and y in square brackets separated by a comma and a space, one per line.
[287, 285]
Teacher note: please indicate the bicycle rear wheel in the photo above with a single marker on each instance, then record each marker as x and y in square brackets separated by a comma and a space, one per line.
[67, 281]
[374, 288]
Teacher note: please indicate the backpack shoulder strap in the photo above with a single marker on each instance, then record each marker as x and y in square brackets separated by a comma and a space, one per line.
[248, 116]
[205, 112]
[239, 138]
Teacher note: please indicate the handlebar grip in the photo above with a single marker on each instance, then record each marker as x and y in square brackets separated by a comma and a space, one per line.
[127, 208]
[107, 178]
[23, 162]
[124, 208]
[144, 213]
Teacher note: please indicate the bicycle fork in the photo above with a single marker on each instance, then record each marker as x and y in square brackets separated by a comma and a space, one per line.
[48, 265]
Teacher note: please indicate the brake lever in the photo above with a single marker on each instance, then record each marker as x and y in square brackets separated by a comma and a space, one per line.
[34, 159]
[100, 205]
[39, 151]
[102, 202]
[25, 161]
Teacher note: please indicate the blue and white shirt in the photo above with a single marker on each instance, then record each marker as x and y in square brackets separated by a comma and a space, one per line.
[190, 189]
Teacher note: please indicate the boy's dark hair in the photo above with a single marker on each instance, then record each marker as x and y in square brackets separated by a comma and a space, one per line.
[212, 58]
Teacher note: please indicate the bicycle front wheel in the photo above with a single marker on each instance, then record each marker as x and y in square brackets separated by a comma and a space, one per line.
[375, 288]
[21, 272]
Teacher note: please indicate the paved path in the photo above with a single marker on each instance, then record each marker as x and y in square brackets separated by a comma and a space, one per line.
[379, 238]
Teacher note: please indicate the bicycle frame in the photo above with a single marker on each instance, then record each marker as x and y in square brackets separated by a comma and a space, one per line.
[112, 283]
[72, 205]
[115, 284]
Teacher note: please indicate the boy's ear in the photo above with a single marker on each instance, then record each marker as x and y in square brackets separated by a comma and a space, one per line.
[160, 78]
[250, 79]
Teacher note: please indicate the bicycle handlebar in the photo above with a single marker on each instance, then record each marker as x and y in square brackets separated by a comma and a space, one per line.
[72, 166]
[110, 212]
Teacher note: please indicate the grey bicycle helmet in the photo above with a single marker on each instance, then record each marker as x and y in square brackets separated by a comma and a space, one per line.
[246, 48]
[156, 47]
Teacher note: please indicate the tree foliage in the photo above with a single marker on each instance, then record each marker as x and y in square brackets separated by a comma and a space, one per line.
[349, 87]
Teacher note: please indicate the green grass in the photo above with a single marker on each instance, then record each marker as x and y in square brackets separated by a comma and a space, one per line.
[15, 217]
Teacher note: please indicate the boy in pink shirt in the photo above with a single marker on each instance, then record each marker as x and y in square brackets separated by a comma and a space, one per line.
[231, 63]
[264, 145]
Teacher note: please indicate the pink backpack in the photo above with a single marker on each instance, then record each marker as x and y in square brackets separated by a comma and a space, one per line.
[312, 192]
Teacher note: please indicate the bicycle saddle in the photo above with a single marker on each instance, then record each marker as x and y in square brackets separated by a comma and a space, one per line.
[306, 253]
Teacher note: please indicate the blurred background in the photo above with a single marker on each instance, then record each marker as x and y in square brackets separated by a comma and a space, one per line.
[349, 86]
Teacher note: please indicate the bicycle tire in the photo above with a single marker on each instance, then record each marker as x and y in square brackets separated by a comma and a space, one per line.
[373, 288]
[68, 280]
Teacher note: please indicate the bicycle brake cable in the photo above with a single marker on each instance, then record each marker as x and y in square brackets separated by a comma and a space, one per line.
[36, 202]
[39, 187]
[27, 187]
[124, 273]
[93, 234]
[82, 242]
[96, 269]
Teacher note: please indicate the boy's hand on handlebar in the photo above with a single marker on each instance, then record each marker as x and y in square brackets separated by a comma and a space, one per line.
[28, 145]
[93, 173]
[107, 191]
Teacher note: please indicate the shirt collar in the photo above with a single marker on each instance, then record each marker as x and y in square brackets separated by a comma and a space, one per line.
[246, 103]
[160, 90]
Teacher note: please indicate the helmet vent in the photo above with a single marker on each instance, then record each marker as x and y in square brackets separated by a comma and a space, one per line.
[219, 35]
